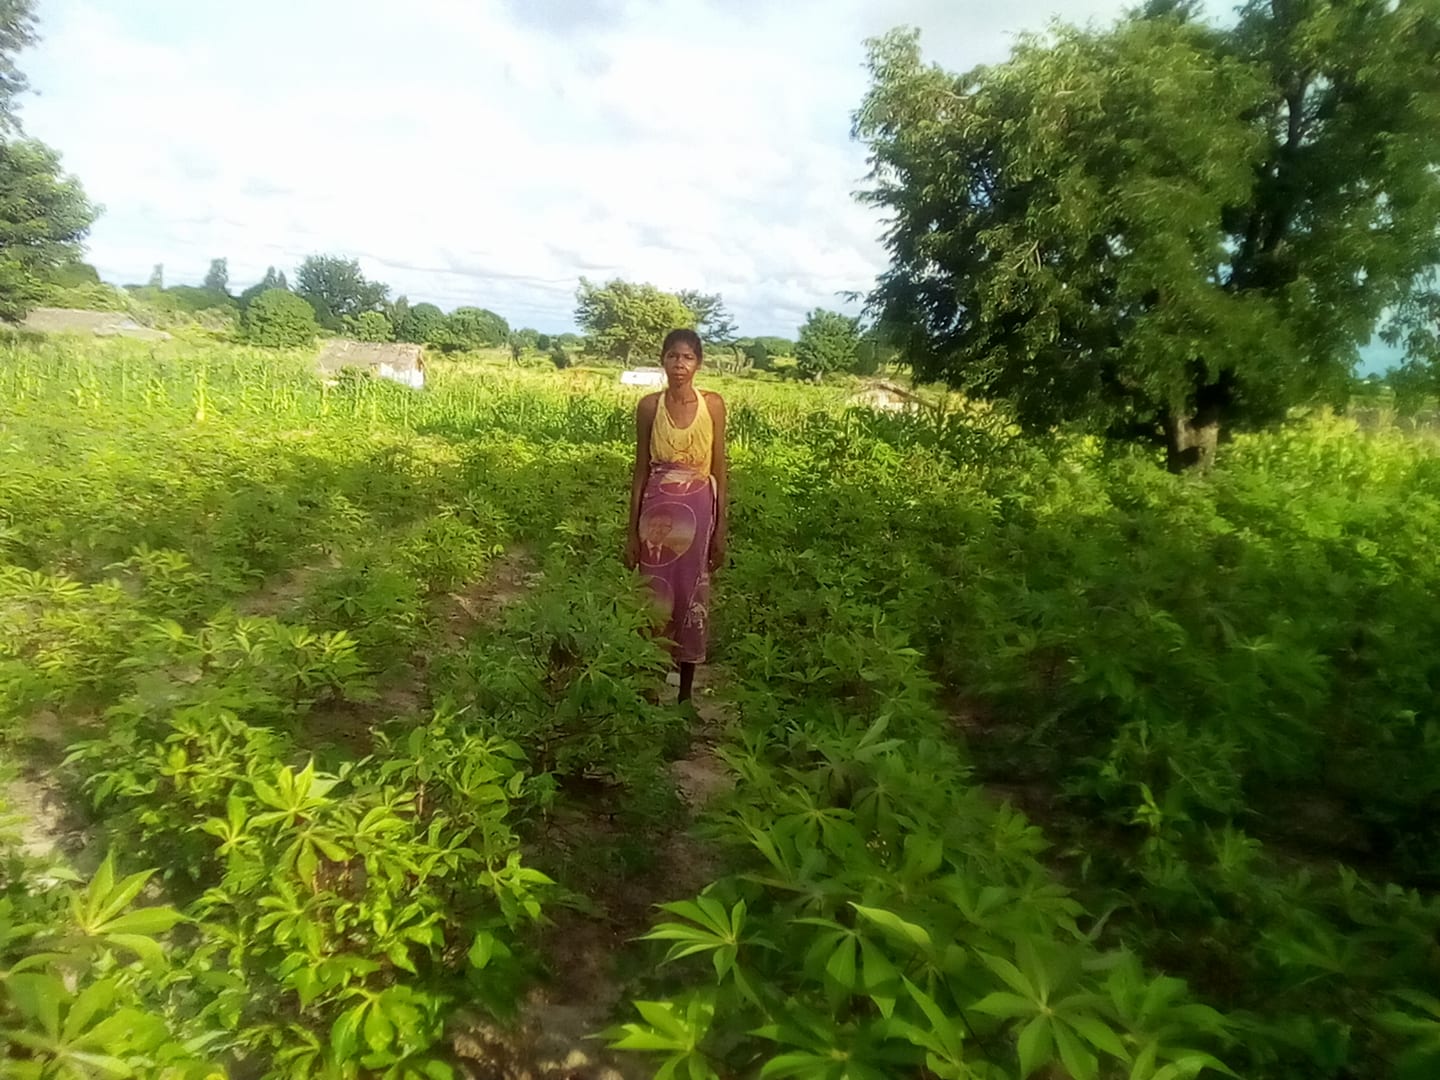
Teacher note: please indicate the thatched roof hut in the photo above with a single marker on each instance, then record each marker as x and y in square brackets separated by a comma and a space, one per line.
[888, 397]
[400, 362]
[48, 320]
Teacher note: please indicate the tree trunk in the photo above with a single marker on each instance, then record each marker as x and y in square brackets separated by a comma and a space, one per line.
[1190, 440]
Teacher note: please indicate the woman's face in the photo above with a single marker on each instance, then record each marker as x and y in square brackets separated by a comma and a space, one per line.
[680, 363]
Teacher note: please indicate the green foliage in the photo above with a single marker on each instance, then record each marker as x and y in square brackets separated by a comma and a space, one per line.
[87, 297]
[628, 322]
[223, 577]
[422, 325]
[44, 214]
[271, 280]
[874, 352]
[337, 290]
[1173, 242]
[83, 980]
[777, 346]
[75, 275]
[372, 326]
[469, 328]
[279, 319]
[828, 342]
[713, 320]
[192, 300]
[880, 934]
[566, 679]
[17, 32]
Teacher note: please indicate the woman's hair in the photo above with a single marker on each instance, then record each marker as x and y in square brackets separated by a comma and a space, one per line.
[683, 337]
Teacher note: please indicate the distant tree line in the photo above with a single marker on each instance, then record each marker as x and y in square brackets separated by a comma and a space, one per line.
[627, 322]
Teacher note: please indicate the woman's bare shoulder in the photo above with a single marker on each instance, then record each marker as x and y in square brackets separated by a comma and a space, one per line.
[646, 405]
[714, 400]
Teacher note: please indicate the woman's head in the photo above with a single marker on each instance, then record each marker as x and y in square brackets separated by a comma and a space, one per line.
[681, 355]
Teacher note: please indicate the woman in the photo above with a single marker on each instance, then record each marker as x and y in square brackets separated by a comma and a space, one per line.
[678, 499]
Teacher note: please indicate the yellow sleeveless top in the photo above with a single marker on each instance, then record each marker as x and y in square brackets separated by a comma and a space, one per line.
[691, 445]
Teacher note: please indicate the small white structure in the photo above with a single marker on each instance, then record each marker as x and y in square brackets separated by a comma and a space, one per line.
[398, 362]
[643, 377]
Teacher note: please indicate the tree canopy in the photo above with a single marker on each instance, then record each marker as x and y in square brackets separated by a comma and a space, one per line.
[271, 280]
[713, 321]
[372, 326]
[279, 319]
[217, 279]
[470, 328]
[624, 321]
[1159, 227]
[337, 289]
[44, 216]
[829, 341]
[420, 324]
[17, 32]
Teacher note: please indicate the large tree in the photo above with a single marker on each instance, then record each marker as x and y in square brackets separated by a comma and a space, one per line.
[17, 31]
[713, 321]
[420, 324]
[829, 341]
[337, 289]
[44, 216]
[217, 279]
[623, 320]
[1163, 227]
[279, 319]
[470, 328]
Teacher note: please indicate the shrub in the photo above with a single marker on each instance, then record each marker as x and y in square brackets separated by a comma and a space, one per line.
[470, 328]
[421, 324]
[828, 342]
[280, 320]
[372, 326]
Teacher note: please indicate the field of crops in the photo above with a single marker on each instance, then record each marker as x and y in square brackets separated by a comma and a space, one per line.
[1028, 759]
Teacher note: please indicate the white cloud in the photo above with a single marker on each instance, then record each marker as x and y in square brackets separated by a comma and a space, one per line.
[490, 151]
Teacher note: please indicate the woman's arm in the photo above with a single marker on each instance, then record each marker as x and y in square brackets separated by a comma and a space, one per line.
[644, 421]
[720, 470]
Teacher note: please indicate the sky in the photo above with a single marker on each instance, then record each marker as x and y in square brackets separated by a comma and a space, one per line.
[490, 152]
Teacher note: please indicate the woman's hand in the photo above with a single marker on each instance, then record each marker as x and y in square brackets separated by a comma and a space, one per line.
[717, 549]
[632, 551]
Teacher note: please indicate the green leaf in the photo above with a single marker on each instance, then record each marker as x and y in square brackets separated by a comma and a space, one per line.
[661, 1016]
[841, 965]
[1012, 977]
[482, 950]
[1003, 1005]
[888, 920]
[1035, 1045]
[345, 1033]
[149, 921]
[146, 948]
[38, 997]
[1080, 1061]
[943, 1027]
[1099, 1035]
[94, 999]
[797, 1063]
[379, 1031]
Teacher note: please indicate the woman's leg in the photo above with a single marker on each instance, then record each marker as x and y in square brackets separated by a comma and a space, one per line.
[687, 681]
